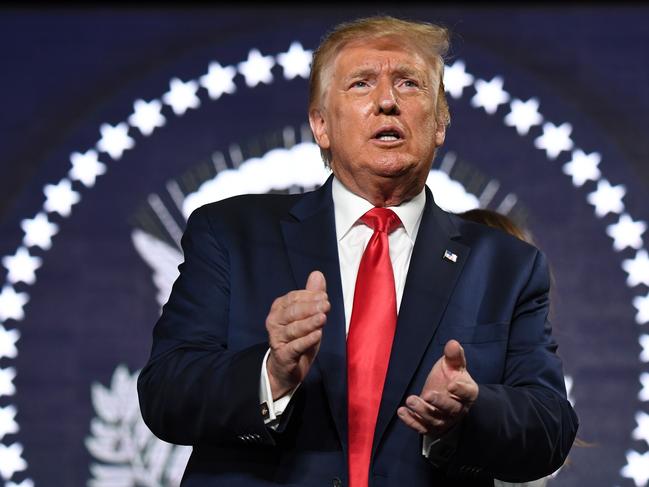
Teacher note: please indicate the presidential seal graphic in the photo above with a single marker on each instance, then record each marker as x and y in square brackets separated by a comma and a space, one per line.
[207, 136]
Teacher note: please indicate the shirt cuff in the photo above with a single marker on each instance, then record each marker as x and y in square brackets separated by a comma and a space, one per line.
[271, 410]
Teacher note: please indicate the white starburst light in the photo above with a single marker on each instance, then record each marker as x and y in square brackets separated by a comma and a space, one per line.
[115, 140]
[8, 339]
[39, 231]
[456, 78]
[219, 80]
[626, 233]
[11, 460]
[296, 61]
[256, 69]
[642, 430]
[21, 266]
[489, 94]
[641, 303]
[146, 116]
[524, 115]
[11, 304]
[637, 268]
[60, 197]
[86, 167]
[181, 96]
[583, 167]
[8, 425]
[636, 468]
[606, 198]
[554, 139]
[7, 387]
[24, 483]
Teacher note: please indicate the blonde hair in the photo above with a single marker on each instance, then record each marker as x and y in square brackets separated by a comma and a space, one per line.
[429, 38]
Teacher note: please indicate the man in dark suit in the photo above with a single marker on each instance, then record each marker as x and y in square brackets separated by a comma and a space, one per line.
[418, 352]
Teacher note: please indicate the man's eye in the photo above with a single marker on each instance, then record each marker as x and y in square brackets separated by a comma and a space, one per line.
[410, 83]
[359, 84]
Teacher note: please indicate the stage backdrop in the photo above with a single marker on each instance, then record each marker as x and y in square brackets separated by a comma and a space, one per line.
[116, 124]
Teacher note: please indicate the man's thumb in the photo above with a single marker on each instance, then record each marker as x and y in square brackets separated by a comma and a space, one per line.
[454, 355]
[316, 282]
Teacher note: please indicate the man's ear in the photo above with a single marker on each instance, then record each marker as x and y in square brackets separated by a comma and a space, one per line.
[440, 133]
[319, 128]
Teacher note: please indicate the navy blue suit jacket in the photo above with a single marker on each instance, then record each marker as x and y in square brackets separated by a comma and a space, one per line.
[201, 384]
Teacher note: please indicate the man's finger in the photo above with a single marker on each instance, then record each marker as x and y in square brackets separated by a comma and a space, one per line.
[298, 329]
[316, 282]
[465, 391]
[411, 420]
[454, 355]
[445, 405]
[306, 343]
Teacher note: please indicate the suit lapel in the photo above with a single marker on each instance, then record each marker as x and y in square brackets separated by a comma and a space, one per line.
[310, 238]
[429, 284]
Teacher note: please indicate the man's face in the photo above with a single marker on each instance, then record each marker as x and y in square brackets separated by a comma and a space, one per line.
[377, 116]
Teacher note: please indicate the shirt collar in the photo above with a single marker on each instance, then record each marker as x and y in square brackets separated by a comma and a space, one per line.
[349, 207]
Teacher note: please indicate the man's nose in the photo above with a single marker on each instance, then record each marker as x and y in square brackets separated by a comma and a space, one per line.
[386, 102]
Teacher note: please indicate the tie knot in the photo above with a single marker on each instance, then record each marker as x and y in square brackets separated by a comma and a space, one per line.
[381, 220]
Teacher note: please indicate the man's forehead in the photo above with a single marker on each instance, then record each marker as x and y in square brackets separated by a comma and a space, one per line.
[401, 53]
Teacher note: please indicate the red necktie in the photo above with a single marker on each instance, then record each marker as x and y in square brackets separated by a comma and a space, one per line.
[371, 330]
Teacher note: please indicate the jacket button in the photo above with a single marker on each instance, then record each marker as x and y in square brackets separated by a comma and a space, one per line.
[337, 482]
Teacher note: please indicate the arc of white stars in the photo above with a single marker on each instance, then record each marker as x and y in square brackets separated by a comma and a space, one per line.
[86, 167]
[115, 140]
[12, 304]
[8, 425]
[641, 432]
[626, 233]
[181, 96]
[641, 303]
[456, 78]
[8, 339]
[219, 80]
[296, 61]
[524, 115]
[636, 468]
[60, 197]
[555, 139]
[489, 94]
[7, 376]
[21, 266]
[256, 69]
[637, 268]
[11, 460]
[606, 198]
[583, 167]
[146, 116]
[39, 231]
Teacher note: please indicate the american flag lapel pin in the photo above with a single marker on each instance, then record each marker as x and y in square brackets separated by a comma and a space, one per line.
[448, 255]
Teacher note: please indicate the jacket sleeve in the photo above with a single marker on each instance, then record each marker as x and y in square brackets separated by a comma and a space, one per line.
[521, 429]
[193, 389]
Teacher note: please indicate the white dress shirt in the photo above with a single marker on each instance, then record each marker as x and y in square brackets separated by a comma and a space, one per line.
[352, 236]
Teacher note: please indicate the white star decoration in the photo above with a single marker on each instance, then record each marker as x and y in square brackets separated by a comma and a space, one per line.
[626, 233]
[644, 343]
[219, 80]
[554, 139]
[11, 460]
[181, 96]
[524, 115]
[636, 468]
[456, 79]
[606, 198]
[115, 140]
[39, 231]
[642, 430]
[8, 423]
[60, 197]
[257, 68]
[8, 339]
[637, 268]
[489, 94]
[146, 116]
[7, 387]
[296, 61]
[21, 266]
[583, 167]
[641, 303]
[24, 483]
[11, 304]
[86, 167]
